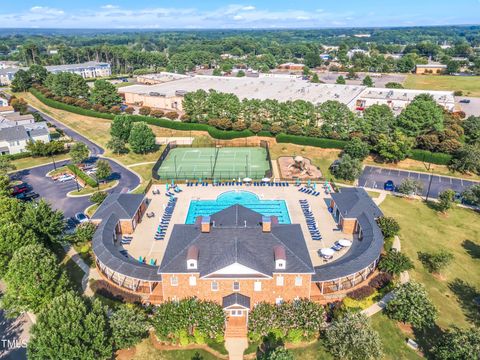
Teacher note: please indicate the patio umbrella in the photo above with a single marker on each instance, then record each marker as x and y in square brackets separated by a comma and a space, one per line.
[308, 183]
[314, 186]
[247, 179]
[327, 251]
[345, 242]
[265, 179]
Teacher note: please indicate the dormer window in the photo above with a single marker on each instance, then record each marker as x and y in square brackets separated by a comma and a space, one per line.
[192, 258]
[280, 257]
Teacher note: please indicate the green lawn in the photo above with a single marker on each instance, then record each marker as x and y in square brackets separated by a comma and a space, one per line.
[470, 85]
[28, 162]
[393, 339]
[423, 229]
[145, 351]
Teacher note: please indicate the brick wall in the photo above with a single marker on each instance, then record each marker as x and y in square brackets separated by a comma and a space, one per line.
[269, 292]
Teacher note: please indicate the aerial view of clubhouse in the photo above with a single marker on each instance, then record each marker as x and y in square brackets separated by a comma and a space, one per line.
[238, 240]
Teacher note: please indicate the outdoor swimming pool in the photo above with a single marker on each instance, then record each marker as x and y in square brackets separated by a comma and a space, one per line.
[246, 198]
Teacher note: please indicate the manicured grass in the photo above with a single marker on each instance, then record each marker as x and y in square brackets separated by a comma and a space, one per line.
[91, 210]
[316, 351]
[470, 85]
[458, 231]
[85, 252]
[145, 351]
[373, 194]
[144, 170]
[393, 339]
[25, 163]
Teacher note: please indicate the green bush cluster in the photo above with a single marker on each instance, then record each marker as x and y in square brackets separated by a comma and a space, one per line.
[21, 155]
[290, 321]
[430, 157]
[189, 321]
[87, 179]
[71, 108]
[311, 141]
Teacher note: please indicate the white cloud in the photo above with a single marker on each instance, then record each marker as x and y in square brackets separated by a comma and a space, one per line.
[109, 7]
[251, 7]
[44, 10]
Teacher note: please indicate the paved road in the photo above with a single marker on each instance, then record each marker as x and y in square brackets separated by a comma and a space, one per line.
[375, 177]
[472, 108]
[55, 193]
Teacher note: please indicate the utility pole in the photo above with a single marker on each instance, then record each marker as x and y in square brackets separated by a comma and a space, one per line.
[428, 167]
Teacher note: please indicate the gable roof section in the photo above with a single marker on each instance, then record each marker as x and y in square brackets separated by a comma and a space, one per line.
[352, 202]
[123, 205]
[14, 133]
[230, 242]
[236, 299]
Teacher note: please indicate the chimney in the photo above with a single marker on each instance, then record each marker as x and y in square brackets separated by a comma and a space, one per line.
[266, 224]
[192, 257]
[205, 224]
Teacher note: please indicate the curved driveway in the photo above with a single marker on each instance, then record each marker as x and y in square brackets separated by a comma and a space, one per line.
[56, 193]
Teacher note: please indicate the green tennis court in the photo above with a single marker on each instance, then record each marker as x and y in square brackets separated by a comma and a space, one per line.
[216, 163]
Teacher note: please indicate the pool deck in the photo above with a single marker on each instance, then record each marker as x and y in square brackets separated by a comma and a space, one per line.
[143, 243]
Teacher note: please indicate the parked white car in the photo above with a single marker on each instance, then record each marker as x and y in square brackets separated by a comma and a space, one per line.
[65, 178]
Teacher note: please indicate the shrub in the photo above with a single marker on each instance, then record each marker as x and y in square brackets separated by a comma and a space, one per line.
[394, 262]
[115, 110]
[380, 281]
[145, 110]
[361, 293]
[434, 262]
[129, 110]
[389, 226]
[430, 157]
[294, 336]
[87, 179]
[317, 142]
[157, 113]
[172, 115]
[98, 197]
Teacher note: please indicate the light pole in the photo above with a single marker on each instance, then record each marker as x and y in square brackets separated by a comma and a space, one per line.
[53, 160]
[431, 176]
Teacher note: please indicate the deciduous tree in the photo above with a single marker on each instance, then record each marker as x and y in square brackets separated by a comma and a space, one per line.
[129, 326]
[105, 93]
[79, 152]
[142, 138]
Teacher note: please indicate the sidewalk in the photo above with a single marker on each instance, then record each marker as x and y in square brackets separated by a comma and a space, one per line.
[90, 273]
[380, 305]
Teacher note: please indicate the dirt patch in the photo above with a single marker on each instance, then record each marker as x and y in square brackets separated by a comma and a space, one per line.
[405, 328]
[298, 169]
[439, 277]
[125, 354]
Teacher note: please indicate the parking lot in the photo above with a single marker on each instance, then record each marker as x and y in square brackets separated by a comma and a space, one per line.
[375, 177]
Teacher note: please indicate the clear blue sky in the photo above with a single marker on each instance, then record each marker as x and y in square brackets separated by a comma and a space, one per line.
[236, 14]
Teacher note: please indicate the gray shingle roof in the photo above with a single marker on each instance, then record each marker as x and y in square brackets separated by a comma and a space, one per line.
[362, 253]
[230, 241]
[352, 202]
[14, 133]
[108, 254]
[236, 299]
[123, 205]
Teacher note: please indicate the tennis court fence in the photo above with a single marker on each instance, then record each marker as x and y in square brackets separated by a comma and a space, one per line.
[211, 173]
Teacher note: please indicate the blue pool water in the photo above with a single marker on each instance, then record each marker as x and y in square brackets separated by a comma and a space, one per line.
[248, 199]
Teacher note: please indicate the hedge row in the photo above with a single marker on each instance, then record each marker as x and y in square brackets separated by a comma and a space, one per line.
[309, 141]
[87, 179]
[428, 156]
[21, 155]
[71, 108]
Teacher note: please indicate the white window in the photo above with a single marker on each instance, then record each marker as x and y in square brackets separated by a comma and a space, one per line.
[257, 286]
[278, 300]
[298, 281]
[236, 312]
[174, 281]
[236, 286]
[214, 286]
[280, 280]
[192, 281]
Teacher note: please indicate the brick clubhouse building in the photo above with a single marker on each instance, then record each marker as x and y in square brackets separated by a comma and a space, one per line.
[236, 256]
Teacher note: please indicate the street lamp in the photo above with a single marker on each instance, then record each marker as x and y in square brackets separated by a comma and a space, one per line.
[431, 176]
[53, 160]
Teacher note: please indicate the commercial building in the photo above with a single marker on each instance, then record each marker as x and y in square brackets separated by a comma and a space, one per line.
[88, 70]
[431, 69]
[169, 95]
[17, 130]
[291, 66]
[160, 78]
[236, 256]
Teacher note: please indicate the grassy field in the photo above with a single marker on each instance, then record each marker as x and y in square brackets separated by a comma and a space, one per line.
[458, 231]
[145, 351]
[470, 85]
[28, 162]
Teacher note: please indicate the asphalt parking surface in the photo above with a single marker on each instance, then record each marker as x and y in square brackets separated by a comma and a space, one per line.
[375, 177]
[56, 193]
[472, 108]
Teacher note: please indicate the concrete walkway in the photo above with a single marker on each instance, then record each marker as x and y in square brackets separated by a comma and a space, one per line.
[404, 277]
[90, 273]
[236, 347]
